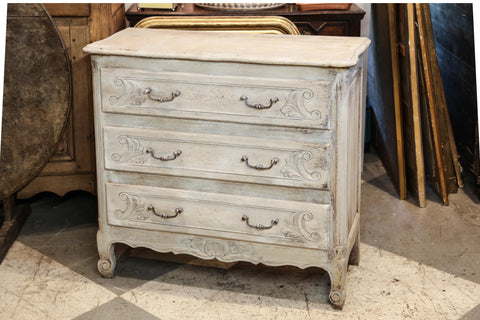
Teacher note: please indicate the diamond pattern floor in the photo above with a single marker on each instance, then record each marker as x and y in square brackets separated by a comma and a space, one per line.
[50, 273]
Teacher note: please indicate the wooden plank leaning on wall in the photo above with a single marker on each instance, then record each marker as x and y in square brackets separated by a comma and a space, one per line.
[414, 160]
[449, 170]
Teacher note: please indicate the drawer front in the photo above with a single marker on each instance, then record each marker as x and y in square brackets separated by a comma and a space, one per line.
[269, 101]
[232, 158]
[220, 215]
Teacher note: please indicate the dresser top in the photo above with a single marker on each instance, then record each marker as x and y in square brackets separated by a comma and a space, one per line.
[323, 51]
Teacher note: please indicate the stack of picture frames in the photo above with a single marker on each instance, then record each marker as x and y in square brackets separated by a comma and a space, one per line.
[424, 146]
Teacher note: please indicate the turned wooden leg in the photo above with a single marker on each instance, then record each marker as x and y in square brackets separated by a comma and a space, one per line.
[106, 250]
[354, 259]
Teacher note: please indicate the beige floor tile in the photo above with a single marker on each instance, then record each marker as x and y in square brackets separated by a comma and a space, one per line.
[53, 290]
[15, 308]
[193, 292]
[170, 301]
[384, 286]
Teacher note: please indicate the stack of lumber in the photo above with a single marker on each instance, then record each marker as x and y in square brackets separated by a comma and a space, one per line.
[421, 137]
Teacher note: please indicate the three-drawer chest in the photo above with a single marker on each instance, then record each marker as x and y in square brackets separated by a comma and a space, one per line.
[230, 146]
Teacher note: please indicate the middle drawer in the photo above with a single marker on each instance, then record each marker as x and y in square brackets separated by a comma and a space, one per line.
[231, 158]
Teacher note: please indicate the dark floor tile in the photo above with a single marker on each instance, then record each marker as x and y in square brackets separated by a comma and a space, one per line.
[64, 229]
[117, 309]
[51, 213]
[143, 269]
[473, 314]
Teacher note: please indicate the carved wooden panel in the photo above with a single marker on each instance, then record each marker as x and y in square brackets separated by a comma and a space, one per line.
[218, 157]
[290, 223]
[243, 99]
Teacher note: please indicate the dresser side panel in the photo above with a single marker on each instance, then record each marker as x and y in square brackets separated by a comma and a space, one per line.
[347, 155]
[99, 143]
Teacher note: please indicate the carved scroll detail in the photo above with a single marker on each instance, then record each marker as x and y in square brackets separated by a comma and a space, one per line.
[295, 106]
[295, 167]
[207, 248]
[135, 209]
[296, 227]
[337, 253]
[135, 151]
[131, 95]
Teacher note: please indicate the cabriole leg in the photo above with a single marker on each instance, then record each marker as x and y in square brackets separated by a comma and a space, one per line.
[337, 277]
[106, 250]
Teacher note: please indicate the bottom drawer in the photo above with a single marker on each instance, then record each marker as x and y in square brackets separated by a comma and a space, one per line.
[219, 215]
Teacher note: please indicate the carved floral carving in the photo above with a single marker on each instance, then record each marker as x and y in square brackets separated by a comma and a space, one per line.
[135, 208]
[216, 248]
[337, 253]
[296, 227]
[135, 151]
[131, 95]
[295, 166]
[295, 106]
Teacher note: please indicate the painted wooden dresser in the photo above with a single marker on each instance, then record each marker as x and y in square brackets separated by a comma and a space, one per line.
[230, 146]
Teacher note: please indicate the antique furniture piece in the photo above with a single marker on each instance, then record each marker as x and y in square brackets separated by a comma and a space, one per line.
[72, 166]
[315, 22]
[36, 104]
[245, 151]
[263, 24]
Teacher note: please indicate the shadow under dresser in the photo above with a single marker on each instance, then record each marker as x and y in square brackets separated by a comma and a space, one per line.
[230, 147]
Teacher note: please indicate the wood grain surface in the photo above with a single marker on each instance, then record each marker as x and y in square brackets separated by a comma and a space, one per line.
[37, 95]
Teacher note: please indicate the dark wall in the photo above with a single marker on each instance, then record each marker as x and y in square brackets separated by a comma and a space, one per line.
[454, 40]
[380, 93]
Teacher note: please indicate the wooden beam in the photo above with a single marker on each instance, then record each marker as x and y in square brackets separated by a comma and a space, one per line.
[415, 105]
[397, 92]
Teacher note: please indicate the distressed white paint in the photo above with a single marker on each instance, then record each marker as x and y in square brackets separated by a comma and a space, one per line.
[313, 131]
[216, 46]
[218, 157]
[297, 103]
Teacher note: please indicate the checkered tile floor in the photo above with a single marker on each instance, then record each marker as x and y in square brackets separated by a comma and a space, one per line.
[50, 273]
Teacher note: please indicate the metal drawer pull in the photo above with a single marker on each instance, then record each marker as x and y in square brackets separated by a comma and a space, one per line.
[148, 92]
[164, 158]
[165, 216]
[258, 105]
[260, 226]
[260, 166]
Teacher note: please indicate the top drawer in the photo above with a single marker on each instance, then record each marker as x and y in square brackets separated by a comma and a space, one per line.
[255, 100]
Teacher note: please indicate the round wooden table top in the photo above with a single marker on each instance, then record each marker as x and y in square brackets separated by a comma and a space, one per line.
[37, 95]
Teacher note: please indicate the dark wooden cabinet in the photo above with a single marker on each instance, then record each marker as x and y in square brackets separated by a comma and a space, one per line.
[72, 167]
[318, 22]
